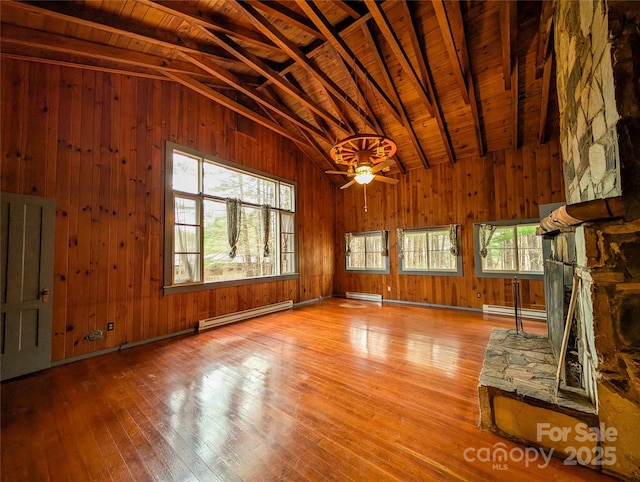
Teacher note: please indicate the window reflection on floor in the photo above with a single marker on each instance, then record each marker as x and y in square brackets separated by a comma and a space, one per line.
[228, 402]
[372, 342]
[426, 351]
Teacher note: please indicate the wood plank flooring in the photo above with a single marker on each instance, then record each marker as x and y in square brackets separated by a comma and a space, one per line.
[337, 390]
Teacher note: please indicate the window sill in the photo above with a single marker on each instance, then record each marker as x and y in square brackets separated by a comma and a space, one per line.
[505, 275]
[212, 285]
[429, 273]
[368, 271]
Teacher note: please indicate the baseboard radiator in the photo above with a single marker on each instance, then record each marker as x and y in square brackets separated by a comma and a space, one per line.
[363, 296]
[508, 311]
[243, 315]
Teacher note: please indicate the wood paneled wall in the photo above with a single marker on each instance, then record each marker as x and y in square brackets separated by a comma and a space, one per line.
[503, 185]
[95, 142]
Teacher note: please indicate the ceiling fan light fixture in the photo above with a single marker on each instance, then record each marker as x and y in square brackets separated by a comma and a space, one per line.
[363, 175]
[373, 148]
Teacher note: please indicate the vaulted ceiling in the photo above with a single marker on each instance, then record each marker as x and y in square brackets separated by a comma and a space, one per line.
[446, 80]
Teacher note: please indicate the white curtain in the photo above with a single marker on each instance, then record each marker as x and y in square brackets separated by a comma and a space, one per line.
[400, 232]
[234, 215]
[287, 223]
[183, 215]
[286, 230]
[486, 233]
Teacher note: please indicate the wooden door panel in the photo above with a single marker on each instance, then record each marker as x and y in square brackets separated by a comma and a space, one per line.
[4, 253]
[32, 253]
[27, 272]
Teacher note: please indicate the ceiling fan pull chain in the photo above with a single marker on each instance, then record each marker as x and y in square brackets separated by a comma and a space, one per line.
[365, 198]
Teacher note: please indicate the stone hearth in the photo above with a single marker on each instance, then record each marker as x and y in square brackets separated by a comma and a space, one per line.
[523, 365]
[519, 401]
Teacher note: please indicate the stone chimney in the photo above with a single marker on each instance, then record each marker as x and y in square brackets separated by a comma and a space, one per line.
[597, 47]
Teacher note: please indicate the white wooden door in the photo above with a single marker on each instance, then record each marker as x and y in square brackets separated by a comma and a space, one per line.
[27, 245]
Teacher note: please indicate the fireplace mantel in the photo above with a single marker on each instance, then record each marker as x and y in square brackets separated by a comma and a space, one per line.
[574, 214]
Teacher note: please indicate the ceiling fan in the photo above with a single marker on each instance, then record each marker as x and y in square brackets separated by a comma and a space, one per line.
[364, 155]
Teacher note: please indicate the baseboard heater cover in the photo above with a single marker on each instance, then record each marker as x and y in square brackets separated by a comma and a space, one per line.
[243, 315]
[363, 296]
[508, 311]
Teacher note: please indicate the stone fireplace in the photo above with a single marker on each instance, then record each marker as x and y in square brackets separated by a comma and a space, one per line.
[595, 253]
[569, 325]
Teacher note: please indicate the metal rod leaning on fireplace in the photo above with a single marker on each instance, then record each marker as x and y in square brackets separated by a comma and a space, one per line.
[567, 329]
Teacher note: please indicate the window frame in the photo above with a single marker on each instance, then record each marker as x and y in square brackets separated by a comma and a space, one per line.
[169, 223]
[365, 234]
[432, 272]
[480, 273]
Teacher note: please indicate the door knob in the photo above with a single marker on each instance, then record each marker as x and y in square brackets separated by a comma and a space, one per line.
[44, 294]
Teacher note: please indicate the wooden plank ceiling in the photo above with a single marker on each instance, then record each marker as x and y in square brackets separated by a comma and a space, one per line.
[446, 80]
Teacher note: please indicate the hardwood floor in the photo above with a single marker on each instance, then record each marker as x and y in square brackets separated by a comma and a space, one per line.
[336, 390]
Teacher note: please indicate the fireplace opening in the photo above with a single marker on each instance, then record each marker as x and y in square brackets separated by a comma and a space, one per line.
[570, 331]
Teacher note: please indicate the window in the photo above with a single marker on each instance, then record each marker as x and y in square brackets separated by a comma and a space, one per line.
[225, 223]
[367, 252]
[430, 251]
[508, 249]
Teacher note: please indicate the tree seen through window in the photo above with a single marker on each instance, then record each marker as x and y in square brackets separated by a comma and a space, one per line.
[201, 245]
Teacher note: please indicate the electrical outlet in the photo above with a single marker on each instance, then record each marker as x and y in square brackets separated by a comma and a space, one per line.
[478, 294]
[94, 335]
[110, 326]
[388, 288]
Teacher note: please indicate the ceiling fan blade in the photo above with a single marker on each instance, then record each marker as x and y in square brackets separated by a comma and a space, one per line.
[386, 163]
[348, 184]
[343, 173]
[388, 180]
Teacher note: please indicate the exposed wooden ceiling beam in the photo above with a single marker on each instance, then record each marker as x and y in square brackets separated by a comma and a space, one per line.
[515, 86]
[544, 101]
[346, 8]
[454, 15]
[75, 65]
[379, 128]
[450, 45]
[219, 98]
[285, 14]
[544, 36]
[344, 28]
[232, 80]
[259, 66]
[361, 94]
[310, 139]
[319, 120]
[34, 38]
[192, 13]
[329, 98]
[507, 25]
[315, 14]
[272, 32]
[116, 24]
[393, 91]
[423, 68]
[379, 58]
[515, 107]
[394, 43]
